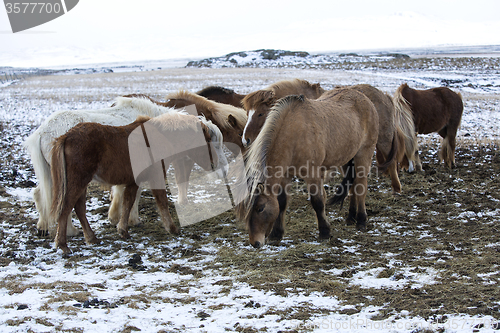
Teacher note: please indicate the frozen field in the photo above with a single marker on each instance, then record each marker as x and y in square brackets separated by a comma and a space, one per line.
[429, 262]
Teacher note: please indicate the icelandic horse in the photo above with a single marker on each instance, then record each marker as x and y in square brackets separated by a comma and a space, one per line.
[396, 134]
[434, 110]
[105, 154]
[339, 128]
[259, 103]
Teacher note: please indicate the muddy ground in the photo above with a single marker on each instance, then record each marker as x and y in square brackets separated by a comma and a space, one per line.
[444, 227]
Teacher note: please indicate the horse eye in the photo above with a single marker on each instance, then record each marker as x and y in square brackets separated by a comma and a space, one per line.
[260, 209]
[240, 134]
[261, 114]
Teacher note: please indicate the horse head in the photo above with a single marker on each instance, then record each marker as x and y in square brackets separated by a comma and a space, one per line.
[257, 105]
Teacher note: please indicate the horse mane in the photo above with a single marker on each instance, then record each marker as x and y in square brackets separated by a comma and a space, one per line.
[256, 156]
[144, 104]
[254, 99]
[215, 89]
[219, 111]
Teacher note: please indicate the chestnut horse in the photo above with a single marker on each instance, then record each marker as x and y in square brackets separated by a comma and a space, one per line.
[39, 145]
[222, 95]
[339, 128]
[91, 151]
[434, 110]
[396, 135]
[258, 103]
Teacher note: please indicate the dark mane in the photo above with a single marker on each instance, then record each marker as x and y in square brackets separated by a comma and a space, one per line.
[205, 92]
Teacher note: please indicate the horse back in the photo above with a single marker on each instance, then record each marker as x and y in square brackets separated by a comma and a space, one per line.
[433, 109]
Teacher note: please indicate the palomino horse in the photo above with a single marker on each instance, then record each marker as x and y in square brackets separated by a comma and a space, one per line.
[396, 134]
[222, 95]
[229, 119]
[39, 145]
[91, 151]
[258, 103]
[434, 110]
[317, 136]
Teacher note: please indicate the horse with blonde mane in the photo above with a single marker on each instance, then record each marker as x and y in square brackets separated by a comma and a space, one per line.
[434, 110]
[39, 146]
[259, 103]
[91, 151]
[338, 129]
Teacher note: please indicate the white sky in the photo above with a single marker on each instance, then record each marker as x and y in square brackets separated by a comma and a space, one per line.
[120, 30]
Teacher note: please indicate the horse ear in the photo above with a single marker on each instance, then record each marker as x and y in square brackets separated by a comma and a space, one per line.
[232, 121]
[260, 188]
[268, 97]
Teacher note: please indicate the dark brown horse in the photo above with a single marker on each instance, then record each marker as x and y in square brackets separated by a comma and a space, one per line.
[222, 95]
[434, 110]
[308, 138]
[91, 151]
[258, 103]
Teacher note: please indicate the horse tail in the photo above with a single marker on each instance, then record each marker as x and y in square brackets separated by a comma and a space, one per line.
[405, 123]
[58, 177]
[393, 154]
[43, 193]
[343, 189]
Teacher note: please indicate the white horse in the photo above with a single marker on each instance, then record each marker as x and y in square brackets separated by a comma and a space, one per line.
[39, 145]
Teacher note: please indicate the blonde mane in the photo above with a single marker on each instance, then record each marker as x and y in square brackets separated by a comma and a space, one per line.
[143, 104]
[256, 156]
[218, 111]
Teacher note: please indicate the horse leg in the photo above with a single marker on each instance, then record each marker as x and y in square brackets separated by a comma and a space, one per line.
[162, 203]
[360, 188]
[182, 171]
[128, 202]
[43, 220]
[392, 169]
[276, 234]
[81, 213]
[318, 197]
[447, 151]
[134, 219]
[60, 239]
[116, 203]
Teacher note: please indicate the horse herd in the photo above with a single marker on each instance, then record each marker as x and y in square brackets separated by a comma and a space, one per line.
[285, 127]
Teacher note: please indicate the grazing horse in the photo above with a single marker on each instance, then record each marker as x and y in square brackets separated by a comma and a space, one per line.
[39, 145]
[222, 95]
[396, 134]
[434, 110]
[258, 103]
[308, 136]
[91, 151]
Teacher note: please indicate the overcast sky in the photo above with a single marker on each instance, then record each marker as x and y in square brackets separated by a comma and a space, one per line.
[120, 30]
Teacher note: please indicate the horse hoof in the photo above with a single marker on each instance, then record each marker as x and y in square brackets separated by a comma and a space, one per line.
[361, 227]
[94, 240]
[396, 194]
[174, 230]
[132, 222]
[324, 238]
[66, 251]
[350, 221]
[42, 233]
[123, 234]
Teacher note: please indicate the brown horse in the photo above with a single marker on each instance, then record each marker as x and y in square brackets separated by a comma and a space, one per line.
[91, 151]
[396, 132]
[222, 95]
[308, 138]
[258, 103]
[434, 110]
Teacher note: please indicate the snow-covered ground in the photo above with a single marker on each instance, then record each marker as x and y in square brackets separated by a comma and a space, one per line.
[35, 296]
